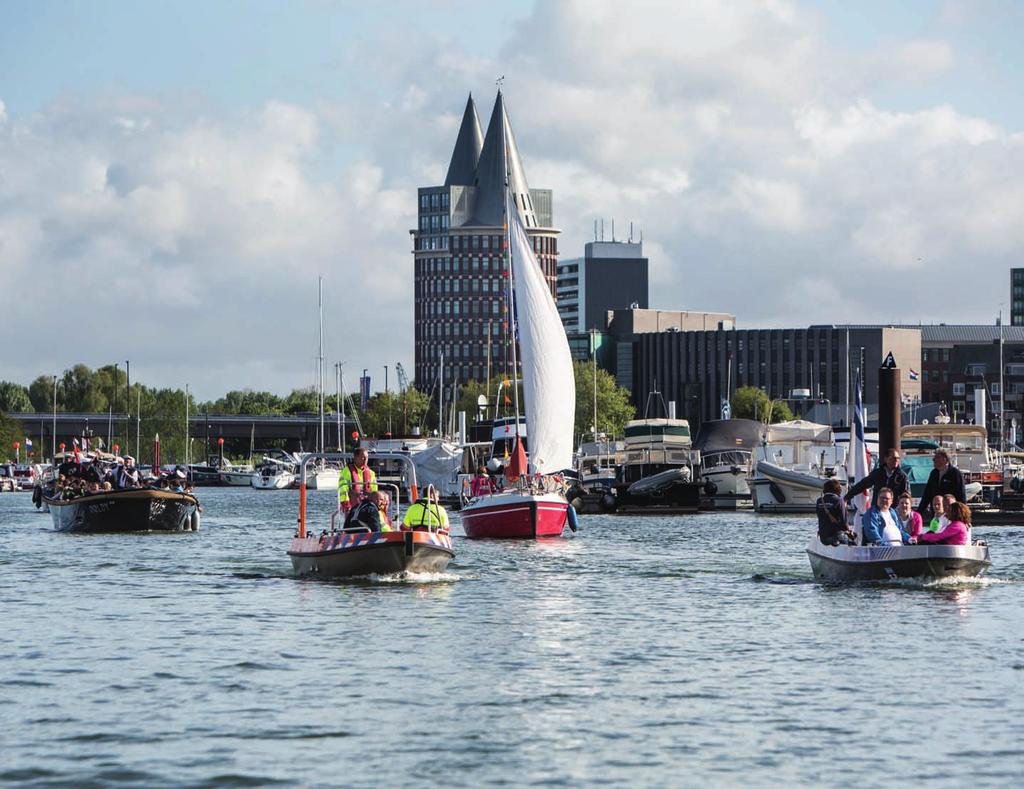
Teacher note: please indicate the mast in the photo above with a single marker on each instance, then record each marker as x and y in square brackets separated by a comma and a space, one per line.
[320, 364]
[337, 410]
[440, 398]
[507, 241]
[186, 425]
[1002, 394]
[53, 452]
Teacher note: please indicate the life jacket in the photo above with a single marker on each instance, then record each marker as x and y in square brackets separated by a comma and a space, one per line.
[351, 483]
[425, 514]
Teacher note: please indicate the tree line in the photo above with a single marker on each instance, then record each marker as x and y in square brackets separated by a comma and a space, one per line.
[162, 411]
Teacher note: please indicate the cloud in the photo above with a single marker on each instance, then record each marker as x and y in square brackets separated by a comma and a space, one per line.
[773, 176]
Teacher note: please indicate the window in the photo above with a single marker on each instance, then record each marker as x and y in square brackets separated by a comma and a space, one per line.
[996, 391]
[924, 354]
[958, 389]
[977, 368]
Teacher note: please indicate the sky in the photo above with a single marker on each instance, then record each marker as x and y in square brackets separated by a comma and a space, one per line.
[175, 176]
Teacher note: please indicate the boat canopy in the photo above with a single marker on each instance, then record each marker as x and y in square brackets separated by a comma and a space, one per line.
[728, 435]
[799, 430]
[657, 428]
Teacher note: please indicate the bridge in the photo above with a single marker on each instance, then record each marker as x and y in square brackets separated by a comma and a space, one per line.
[298, 432]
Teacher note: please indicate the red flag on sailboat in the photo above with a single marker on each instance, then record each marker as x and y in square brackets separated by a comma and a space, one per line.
[517, 463]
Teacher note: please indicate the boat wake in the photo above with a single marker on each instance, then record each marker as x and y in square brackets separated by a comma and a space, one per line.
[412, 578]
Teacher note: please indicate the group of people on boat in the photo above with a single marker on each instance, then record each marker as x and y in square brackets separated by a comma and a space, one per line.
[366, 506]
[943, 503]
[86, 476]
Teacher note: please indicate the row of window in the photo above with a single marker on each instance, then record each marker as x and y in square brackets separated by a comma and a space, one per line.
[460, 265]
[457, 307]
[437, 201]
[458, 329]
[456, 287]
[462, 372]
[433, 224]
[463, 351]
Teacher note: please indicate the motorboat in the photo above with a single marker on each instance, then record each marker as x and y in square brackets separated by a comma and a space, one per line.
[659, 474]
[792, 464]
[596, 462]
[534, 505]
[341, 551]
[236, 475]
[136, 510]
[273, 473]
[968, 450]
[726, 460]
[846, 563]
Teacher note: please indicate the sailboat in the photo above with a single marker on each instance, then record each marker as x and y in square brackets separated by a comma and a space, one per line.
[322, 476]
[534, 505]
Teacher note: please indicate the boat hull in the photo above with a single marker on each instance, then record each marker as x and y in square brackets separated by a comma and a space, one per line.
[236, 479]
[882, 563]
[778, 489]
[343, 554]
[515, 515]
[272, 482]
[124, 511]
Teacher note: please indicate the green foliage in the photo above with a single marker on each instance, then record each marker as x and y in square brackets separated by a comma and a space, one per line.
[749, 402]
[246, 402]
[14, 398]
[614, 408]
[80, 391]
[10, 431]
[304, 401]
[40, 392]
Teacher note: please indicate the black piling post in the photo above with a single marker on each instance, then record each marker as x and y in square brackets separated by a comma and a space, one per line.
[888, 406]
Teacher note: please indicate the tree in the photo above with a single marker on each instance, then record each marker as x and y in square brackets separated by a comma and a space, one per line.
[40, 392]
[81, 391]
[14, 398]
[10, 431]
[750, 402]
[614, 406]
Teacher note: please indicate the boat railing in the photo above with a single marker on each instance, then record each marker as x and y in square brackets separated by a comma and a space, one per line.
[394, 508]
[343, 458]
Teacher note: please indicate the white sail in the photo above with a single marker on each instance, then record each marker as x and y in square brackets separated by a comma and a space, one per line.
[548, 385]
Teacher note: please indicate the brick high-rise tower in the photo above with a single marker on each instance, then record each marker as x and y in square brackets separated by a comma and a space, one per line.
[461, 287]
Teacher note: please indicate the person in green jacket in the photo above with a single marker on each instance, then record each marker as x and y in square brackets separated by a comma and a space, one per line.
[355, 480]
[426, 513]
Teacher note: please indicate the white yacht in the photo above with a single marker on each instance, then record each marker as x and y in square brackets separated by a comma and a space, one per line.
[791, 465]
[236, 475]
[596, 462]
[273, 474]
[726, 453]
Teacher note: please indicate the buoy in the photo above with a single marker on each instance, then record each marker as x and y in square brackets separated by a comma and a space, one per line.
[576, 503]
[574, 523]
[37, 496]
[609, 503]
[194, 521]
[776, 491]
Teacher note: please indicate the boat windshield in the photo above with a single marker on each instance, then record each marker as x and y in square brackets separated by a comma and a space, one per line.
[917, 467]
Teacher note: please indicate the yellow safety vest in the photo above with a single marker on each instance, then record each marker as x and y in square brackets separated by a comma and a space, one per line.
[425, 514]
[349, 481]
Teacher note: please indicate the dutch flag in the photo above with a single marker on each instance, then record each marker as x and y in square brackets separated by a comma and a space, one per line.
[913, 374]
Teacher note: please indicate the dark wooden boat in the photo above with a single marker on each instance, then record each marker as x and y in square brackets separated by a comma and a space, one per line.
[136, 510]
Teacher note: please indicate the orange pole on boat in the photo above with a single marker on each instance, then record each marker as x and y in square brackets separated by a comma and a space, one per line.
[415, 495]
[302, 509]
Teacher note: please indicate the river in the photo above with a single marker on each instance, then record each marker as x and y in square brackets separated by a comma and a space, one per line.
[678, 651]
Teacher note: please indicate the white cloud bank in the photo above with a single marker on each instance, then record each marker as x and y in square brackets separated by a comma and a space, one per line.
[767, 177]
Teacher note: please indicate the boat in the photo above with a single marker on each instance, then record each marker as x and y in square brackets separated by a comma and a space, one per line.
[792, 464]
[726, 460]
[846, 563]
[203, 475]
[340, 552]
[274, 473]
[659, 473]
[236, 475]
[535, 506]
[968, 450]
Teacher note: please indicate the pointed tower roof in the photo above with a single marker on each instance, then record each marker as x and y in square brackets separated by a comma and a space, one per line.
[462, 167]
[490, 174]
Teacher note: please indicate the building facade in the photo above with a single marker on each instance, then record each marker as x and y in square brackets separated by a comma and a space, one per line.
[460, 280]
[697, 370]
[1017, 296]
[612, 275]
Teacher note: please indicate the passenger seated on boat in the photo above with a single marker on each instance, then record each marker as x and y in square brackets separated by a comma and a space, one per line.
[957, 532]
[831, 509]
[939, 520]
[365, 516]
[910, 521]
[880, 525]
[427, 514]
[482, 484]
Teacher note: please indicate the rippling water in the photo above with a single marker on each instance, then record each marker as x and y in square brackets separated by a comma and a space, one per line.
[657, 652]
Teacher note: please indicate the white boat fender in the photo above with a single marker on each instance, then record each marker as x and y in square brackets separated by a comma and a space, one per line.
[194, 521]
[570, 514]
[776, 491]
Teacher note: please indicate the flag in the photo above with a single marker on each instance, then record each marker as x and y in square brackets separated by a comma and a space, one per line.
[913, 374]
[517, 464]
[859, 460]
[28, 443]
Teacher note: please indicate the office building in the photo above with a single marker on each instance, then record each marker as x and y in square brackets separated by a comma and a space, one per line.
[460, 285]
[612, 275]
[1017, 296]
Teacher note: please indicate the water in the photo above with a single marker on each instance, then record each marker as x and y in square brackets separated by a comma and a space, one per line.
[656, 652]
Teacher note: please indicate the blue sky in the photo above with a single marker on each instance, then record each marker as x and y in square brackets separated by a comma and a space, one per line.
[194, 164]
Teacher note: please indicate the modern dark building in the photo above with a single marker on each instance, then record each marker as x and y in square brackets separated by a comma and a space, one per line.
[698, 369]
[1017, 296]
[612, 275]
[461, 313]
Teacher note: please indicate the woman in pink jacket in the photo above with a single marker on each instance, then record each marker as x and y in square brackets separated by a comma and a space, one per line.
[958, 532]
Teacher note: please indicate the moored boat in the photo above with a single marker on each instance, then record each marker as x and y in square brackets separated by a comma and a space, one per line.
[792, 464]
[845, 563]
[358, 550]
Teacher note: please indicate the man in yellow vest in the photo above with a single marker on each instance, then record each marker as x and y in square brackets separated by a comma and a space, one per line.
[426, 513]
[355, 481]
